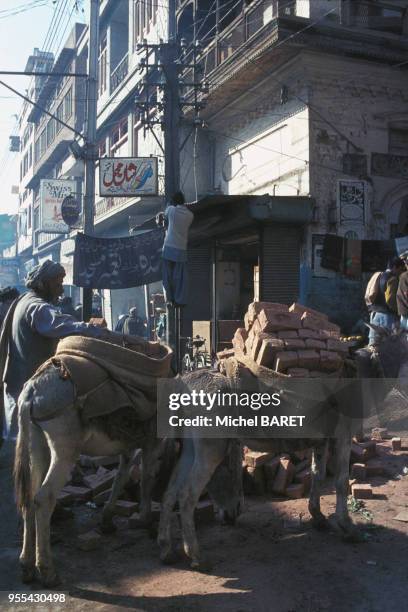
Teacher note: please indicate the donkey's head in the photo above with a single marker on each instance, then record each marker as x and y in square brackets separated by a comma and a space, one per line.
[225, 486]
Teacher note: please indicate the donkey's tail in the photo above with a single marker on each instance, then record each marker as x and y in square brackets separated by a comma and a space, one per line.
[22, 471]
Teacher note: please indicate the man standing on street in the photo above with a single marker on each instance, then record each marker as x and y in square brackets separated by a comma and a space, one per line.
[134, 325]
[383, 309]
[31, 331]
[402, 295]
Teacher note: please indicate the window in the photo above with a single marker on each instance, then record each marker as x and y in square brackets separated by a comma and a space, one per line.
[103, 65]
[398, 140]
[50, 131]
[60, 115]
[68, 104]
[37, 150]
[43, 142]
[102, 148]
[30, 156]
[119, 137]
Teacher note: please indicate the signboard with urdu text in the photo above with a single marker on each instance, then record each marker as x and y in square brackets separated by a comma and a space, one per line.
[52, 194]
[128, 176]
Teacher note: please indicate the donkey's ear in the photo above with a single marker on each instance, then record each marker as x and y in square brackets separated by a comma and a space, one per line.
[378, 329]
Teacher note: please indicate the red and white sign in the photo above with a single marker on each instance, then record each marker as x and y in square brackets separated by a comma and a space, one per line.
[128, 176]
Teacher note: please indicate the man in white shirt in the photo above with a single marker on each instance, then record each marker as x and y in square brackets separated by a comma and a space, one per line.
[177, 218]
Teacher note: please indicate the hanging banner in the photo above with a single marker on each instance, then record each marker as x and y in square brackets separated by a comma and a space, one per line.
[118, 263]
[128, 176]
[52, 194]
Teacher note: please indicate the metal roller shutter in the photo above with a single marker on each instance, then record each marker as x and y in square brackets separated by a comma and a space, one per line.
[199, 287]
[280, 262]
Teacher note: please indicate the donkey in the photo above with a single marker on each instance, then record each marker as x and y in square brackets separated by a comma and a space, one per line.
[51, 437]
[201, 456]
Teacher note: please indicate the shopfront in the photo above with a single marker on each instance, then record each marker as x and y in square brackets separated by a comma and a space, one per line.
[241, 249]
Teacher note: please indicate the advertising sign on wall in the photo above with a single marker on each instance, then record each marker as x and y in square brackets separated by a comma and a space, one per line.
[52, 194]
[128, 176]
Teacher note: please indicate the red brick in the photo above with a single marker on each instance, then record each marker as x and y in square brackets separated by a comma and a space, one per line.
[379, 433]
[295, 491]
[313, 343]
[351, 483]
[308, 359]
[396, 444]
[226, 354]
[284, 360]
[337, 345]
[134, 519]
[330, 361]
[284, 476]
[102, 498]
[298, 372]
[294, 344]
[255, 308]
[125, 508]
[257, 343]
[271, 467]
[361, 491]
[270, 321]
[247, 322]
[100, 481]
[255, 459]
[305, 478]
[358, 471]
[268, 351]
[300, 309]
[358, 453]
[374, 467]
[308, 333]
[89, 541]
[370, 447]
[288, 334]
[79, 493]
[238, 341]
[313, 322]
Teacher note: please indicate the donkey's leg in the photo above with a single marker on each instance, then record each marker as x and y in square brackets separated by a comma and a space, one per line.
[318, 475]
[208, 455]
[179, 475]
[107, 524]
[151, 450]
[40, 460]
[64, 439]
[343, 521]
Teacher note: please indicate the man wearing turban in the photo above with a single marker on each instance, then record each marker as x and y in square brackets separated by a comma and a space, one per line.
[32, 329]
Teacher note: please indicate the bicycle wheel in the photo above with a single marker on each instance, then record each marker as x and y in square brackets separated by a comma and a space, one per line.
[186, 364]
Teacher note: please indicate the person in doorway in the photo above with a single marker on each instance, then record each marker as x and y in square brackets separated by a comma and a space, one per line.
[134, 325]
[383, 307]
[31, 332]
[177, 219]
[67, 306]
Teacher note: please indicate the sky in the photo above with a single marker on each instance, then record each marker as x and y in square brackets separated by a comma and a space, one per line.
[24, 24]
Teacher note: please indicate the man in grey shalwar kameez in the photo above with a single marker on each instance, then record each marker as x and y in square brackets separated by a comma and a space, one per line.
[37, 325]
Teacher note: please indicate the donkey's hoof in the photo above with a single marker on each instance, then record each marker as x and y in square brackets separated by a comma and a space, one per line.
[48, 578]
[169, 557]
[320, 522]
[201, 565]
[27, 573]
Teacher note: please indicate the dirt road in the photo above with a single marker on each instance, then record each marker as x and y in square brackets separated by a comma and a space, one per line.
[272, 561]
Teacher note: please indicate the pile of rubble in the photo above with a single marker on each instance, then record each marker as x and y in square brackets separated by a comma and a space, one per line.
[294, 341]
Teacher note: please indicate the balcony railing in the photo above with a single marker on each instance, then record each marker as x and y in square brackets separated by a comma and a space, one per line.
[119, 74]
[105, 205]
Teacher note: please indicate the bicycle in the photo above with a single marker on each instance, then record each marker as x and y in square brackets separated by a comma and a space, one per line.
[195, 358]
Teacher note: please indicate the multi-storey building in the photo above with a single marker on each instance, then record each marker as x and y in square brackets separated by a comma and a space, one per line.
[306, 99]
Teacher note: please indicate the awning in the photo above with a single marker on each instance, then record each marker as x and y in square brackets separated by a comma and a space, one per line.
[217, 214]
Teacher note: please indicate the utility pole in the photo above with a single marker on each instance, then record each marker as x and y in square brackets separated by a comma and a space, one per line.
[90, 138]
[172, 63]
[171, 119]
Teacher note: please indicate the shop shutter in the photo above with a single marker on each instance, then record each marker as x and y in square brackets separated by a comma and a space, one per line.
[199, 268]
[280, 262]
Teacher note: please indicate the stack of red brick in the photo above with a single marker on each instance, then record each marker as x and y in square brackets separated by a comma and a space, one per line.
[297, 341]
[278, 475]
